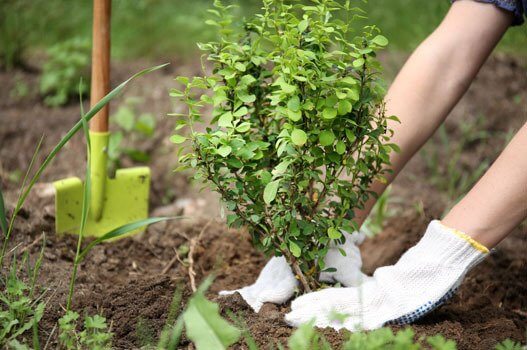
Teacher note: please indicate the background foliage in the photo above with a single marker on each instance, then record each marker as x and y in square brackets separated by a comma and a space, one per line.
[168, 28]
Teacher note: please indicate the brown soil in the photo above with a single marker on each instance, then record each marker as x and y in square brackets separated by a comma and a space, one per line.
[124, 281]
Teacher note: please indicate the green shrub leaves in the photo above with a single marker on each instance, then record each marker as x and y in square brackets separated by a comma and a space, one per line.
[296, 103]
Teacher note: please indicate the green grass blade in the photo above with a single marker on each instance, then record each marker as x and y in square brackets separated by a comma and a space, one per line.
[85, 202]
[19, 202]
[122, 230]
[87, 183]
[3, 214]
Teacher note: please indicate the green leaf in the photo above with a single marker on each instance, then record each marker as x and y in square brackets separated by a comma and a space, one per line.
[294, 103]
[294, 116]
[241, 112]
[340, 147]
[298, 137]
[247, 80]
[331, 101]
[380, 40]
[225, 120]
[359, 62]
[350, 135]
[245, 97]
[344, 107]
[329, 113]
[270, 191]
[295, 249]
[224, 151]
[177, 139]
[302, 25]
[125, 118]
[243, 127]
[240, 66]
[333, 233]
[302, 338]
[205, 327]
[326, 137]
[394, 147]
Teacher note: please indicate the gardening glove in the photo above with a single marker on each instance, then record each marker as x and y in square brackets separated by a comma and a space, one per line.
[349, 266]
[425, 277]
[277, 283]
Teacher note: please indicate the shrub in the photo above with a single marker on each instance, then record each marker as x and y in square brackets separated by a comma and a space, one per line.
[68, 62]
[297, 102]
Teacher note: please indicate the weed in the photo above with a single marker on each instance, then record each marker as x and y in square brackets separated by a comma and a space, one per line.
[451, 177]
[374, 223]
[94, 335]
[135, 127]
[67, 62]
[21, 311]
[508, 344]
[20, 90]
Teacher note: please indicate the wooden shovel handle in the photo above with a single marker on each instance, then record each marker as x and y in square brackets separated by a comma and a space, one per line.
[100, 69]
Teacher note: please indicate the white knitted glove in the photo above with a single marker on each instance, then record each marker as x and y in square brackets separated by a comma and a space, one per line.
[425, 277]
[277, 283]
[348, 267]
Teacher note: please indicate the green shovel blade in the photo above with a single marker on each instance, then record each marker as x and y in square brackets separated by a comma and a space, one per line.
[125, 200]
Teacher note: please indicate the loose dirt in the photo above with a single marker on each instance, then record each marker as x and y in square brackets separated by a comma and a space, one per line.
[124, 280]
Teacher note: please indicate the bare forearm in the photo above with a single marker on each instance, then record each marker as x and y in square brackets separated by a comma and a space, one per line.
[436, 76]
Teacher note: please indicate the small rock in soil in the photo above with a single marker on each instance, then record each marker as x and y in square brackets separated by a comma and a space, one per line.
[269, 311]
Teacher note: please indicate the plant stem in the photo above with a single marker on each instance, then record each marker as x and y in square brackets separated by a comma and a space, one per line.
[300, 275]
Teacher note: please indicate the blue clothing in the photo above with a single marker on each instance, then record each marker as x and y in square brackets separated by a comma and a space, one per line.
[517, 7]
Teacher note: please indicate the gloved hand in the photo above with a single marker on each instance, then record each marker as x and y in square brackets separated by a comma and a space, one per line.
[425, 277]
[276, 282]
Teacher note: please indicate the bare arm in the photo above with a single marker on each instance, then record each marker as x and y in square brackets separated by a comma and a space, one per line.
[436, 76]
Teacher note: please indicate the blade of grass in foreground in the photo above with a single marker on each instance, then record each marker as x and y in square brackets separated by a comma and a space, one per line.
[19, 201]
[85, 202]
[3, 217]
[122, 230]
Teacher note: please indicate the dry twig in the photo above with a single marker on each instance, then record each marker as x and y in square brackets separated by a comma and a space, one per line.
[192, 247]
[172, 262]
[193, 243]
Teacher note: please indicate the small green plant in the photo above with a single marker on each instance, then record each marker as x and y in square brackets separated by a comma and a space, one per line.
[94, 335]
[297, 102]
[508, 344]
[135, 127]
[307, 337]
[20, 89]
[67, 62]
[385, 339]
[21, 309]
[374, 223]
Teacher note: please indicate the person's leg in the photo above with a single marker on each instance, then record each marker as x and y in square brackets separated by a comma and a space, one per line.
[436, 76]
[498, 202]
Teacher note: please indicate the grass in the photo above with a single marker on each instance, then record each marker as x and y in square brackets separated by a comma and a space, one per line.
[446, 169]
[167, 28]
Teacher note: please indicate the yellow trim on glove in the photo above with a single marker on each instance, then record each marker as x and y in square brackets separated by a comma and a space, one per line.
[469, 239]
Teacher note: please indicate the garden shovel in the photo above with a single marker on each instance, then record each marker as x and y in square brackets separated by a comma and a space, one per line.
[113, 202]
